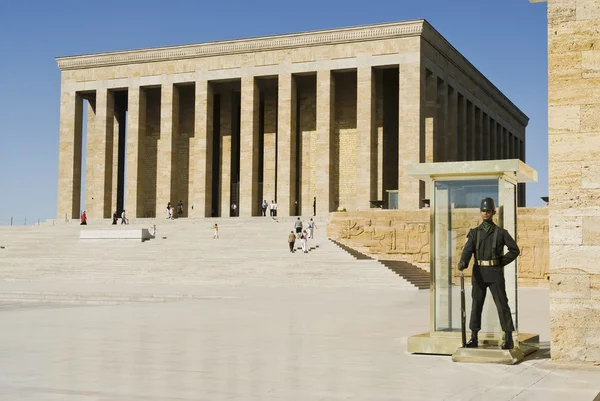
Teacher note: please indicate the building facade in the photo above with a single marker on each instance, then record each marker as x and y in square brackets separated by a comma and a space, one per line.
[329, 117]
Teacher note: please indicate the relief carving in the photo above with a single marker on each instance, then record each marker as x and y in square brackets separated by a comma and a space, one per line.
[405, 236]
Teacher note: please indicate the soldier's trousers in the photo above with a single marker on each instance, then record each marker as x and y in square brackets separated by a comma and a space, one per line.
[498, 290]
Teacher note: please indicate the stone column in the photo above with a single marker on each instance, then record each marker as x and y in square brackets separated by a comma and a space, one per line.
[485, 136]
[69, 156]
[269, 145]
[497, 132]
[463, 139]
[249, 203]
[226, 129]
[325, 119]
[452, 129]
[366, 152]
[201, 152]
[164, 171]
[100, 156]
[478, 133]
[136, 132]
[505, 143]
[470, 132]
[493, 140]
[286, 145]
[410, 132]
[440, 123]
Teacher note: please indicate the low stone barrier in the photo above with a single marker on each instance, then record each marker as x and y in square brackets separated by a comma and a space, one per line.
[140, 234]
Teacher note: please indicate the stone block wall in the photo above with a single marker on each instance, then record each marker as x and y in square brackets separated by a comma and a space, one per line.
[405, 235]
[574, 182]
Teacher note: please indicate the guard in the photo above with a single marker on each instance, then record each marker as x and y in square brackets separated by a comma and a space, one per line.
[487, 243]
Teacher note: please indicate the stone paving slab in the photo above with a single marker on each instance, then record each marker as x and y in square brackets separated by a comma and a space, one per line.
[253, 343]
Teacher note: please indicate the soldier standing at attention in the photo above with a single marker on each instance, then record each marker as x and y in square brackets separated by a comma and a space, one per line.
[487, 243]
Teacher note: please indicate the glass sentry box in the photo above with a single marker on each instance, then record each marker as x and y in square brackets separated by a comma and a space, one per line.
[455, 192]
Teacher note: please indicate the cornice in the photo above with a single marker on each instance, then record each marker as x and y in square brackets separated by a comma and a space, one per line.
[431, 35]
[250, 45]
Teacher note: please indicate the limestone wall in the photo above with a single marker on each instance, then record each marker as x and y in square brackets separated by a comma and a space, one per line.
[404, 235]
[574, 182]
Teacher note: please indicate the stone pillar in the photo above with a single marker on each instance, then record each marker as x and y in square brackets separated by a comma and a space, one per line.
[497, 133]
[226, 129]
[366, 166]
[325, 109]
[409, 134]
[440, 123]
[164, 168]
[485, 136]
[463, 139]
[505, 138]
[478, 133]
[69, 156]
[250, 106]
[100, 158]
[269, 146]
[379, 127]
[201, 152]
[452, 129]
[286, 145]
[470, 131]
[136, 132]
[493, 139]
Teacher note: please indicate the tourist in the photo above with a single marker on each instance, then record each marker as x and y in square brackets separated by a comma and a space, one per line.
[124, 218]
[291, 241]
[264, 207]
[115, 218]
[83, 219]
[233, 209]
[272, 208]
[298, 226]
[169, 211]
[487, 242]
[315, 206]
[311, 228]
[216, 231]
[296, 210]
[303, 238]
[180, 209]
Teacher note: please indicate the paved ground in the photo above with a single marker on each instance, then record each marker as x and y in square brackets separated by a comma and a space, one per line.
[259, 343]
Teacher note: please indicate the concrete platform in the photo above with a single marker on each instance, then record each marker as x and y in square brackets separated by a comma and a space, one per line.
[140, 234]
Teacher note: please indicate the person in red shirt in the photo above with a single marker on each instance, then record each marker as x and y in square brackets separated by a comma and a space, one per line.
[83, 219]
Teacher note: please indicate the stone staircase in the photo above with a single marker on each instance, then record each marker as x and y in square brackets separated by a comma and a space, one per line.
[50, 263]
[407, 271]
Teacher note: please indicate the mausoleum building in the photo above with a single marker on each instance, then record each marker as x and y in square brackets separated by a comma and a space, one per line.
[334, 116]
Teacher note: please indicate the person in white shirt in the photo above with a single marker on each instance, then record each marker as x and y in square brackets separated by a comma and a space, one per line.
[311, 229]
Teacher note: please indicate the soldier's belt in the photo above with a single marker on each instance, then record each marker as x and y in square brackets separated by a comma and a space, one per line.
[489, 263]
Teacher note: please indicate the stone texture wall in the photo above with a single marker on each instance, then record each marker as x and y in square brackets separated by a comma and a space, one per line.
[404, 235]
[574, 179]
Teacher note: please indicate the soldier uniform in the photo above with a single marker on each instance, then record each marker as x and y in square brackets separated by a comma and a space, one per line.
[486, 243]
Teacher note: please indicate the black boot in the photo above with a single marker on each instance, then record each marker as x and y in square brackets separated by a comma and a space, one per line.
[473, 342]
[508, 340]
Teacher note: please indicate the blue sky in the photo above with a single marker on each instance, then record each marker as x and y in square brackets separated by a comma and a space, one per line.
[505, 40]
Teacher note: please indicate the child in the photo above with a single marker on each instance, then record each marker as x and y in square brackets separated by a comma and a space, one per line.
[216, 234]
[303, 238]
